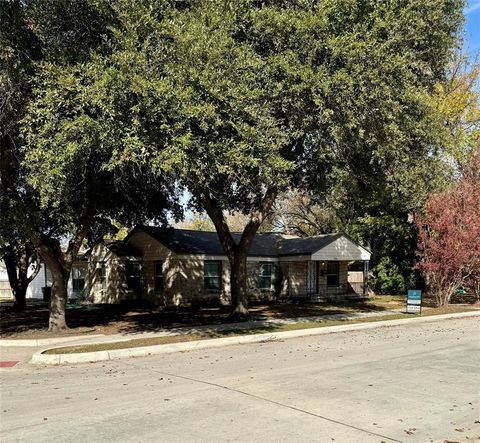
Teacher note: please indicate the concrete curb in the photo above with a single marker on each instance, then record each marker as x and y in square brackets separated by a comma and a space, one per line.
[43, 341]
[58, 359]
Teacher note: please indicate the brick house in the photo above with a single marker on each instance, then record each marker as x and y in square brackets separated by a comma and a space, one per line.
[169, 266]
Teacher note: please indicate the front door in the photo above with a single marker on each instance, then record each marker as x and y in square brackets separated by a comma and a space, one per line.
[333, 273]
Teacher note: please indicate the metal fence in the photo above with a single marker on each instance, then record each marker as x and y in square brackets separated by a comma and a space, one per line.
[324, 292]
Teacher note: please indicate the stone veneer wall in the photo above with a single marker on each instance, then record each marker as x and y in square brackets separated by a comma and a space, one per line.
[297, 278]
[115, 290]
[183, 282]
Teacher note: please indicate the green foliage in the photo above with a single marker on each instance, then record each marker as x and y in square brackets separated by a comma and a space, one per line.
[227, 139]
[68, 30]
[392, 278]
[35, 35]
[392, 239]
[388, 227]
[119, 231]
[70, 137]
[19, 49]
[250, 95]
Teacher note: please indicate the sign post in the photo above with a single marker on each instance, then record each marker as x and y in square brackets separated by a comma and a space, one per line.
[414, 301]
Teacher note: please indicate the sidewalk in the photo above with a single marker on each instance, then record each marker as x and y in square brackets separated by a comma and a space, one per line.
[21, 350]
[23, 354]
[88, 357]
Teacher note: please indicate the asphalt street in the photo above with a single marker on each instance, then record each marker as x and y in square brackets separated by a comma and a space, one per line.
[410, 383]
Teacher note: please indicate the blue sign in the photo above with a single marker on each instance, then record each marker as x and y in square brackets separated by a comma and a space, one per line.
[414, 301]
[414, 296]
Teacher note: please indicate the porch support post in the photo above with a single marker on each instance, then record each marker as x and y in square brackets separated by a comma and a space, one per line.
[365, 276]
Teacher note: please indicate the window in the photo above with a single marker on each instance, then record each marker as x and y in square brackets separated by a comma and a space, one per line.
[101, 275]
[78, 278]
[133, 271]
[212, 275]
[158, 275]
[333, 271]
[265, 272]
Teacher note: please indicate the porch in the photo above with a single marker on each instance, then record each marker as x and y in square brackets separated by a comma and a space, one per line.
[329, 280]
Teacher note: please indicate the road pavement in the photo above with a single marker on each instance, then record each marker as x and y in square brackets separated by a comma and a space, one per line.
[410, 383]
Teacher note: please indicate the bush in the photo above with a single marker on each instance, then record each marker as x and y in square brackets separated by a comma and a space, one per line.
[390, 278]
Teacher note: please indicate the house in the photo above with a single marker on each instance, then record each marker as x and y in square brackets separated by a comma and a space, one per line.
[169, 266]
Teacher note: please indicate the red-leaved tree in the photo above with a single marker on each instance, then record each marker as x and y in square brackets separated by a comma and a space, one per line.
[449, 236]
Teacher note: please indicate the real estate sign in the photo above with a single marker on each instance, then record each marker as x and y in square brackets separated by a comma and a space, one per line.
[414, 301]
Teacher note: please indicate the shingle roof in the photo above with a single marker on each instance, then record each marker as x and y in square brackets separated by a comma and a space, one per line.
[184, 241]
[122, 249]
[307, 245]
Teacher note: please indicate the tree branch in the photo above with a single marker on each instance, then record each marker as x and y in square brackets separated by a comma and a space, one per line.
[212, 207]
[75, 243]
[258, 217]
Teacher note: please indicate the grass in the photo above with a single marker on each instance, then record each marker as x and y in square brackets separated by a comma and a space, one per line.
[90, 319]
[207, 335]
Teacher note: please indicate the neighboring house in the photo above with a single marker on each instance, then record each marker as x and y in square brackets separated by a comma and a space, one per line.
[176, 266]
[167, 266]
[77, 284]
[34, 290]
[5, 291]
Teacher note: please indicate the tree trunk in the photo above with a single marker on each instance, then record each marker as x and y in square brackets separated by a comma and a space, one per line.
[58, 301]
[476, 289]
[237, 253]
[60, 263]
[444, 293]
[238, 287]
[17, 269]
[20, 303]
[60, 268]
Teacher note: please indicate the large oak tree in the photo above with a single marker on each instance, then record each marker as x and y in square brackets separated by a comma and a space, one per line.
[59, 188]
[271, 95]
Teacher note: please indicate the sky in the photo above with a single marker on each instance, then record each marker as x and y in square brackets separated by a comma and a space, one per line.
[472, 27]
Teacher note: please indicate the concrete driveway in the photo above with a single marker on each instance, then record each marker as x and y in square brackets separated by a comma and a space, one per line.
[415, 383]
